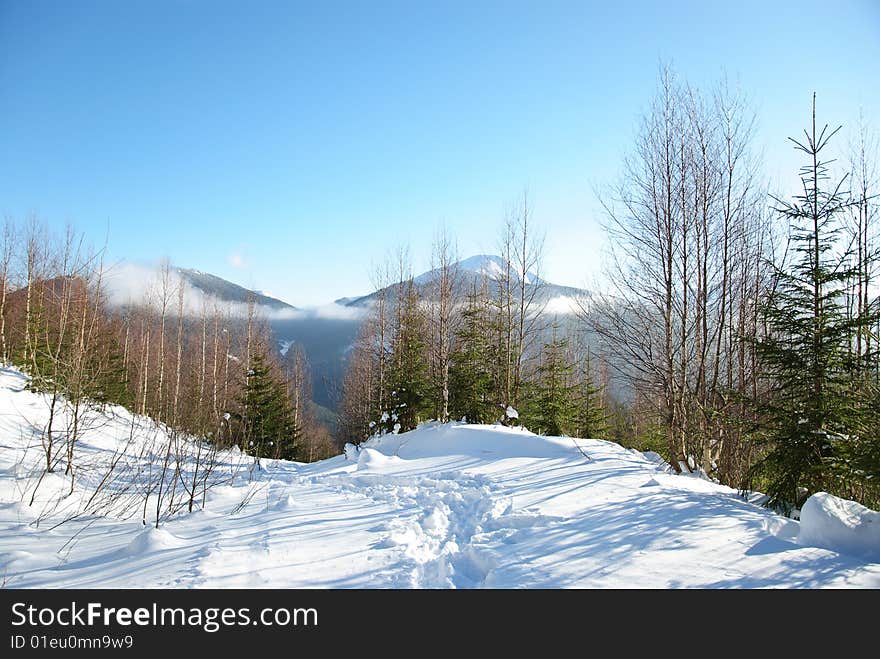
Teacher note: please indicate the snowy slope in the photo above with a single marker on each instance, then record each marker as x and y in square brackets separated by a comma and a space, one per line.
[443, 506]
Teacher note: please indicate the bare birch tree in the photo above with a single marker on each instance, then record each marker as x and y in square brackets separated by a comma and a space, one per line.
[688, 243]
[443, 299]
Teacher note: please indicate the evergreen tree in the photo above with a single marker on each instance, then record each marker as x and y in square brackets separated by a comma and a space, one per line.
[808, 415]
[471, 378]
[590, 419]
[857, 463]
[105, 371]
[552, 396]
[35, 357]
[408, 381]
[264, 425]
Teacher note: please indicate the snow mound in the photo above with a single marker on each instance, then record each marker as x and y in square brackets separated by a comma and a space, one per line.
[841, 525]
[151, 540]
[371, 459]
[487, 443]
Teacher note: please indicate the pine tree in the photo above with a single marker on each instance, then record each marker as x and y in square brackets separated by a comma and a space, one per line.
[552, 396]
[264, 424]
[471, 378]
[808, 415]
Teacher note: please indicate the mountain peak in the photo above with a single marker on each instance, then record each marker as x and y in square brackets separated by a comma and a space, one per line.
[488, 265]
[484, 264]
[492, 267]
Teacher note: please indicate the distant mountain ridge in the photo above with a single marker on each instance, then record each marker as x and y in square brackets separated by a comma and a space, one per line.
[473, 271]
[228, 292]
[487, 265]
[327, 339]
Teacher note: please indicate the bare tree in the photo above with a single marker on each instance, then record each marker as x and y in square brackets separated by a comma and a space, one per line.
[8, 249]
[863, 229]
[166, 290]
[505, 322]
[358, 408]
[444, 298]
[379, 326]
[518, 300]
[688, 244]
[164, 295]
[299, 382]
[527, 257]
[35, 242]
[178, 361]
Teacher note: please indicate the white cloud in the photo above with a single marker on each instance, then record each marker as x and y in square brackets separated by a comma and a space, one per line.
[236, 260]
[330, 311]
[128, 283]
[335, 311]
[562, 305]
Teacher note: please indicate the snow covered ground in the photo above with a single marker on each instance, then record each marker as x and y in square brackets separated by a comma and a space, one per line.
[462, 506]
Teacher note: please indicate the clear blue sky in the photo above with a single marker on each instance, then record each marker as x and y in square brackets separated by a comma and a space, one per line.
[288, 145]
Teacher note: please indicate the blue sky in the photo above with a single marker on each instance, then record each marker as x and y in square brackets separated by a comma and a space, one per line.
[287, 146]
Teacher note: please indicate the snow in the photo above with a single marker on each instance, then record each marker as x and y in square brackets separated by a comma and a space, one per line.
[372, 460]
[152, 540]
[490, 266]
[847, 526]
[351, 452]
[444, 506]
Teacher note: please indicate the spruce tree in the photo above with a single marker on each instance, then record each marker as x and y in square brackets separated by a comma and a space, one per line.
[105, 375]
[857, 464]
[808, 414]
[590, 419]
[407, 380]
[552, 396]
[264, 424]
[471, 378]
